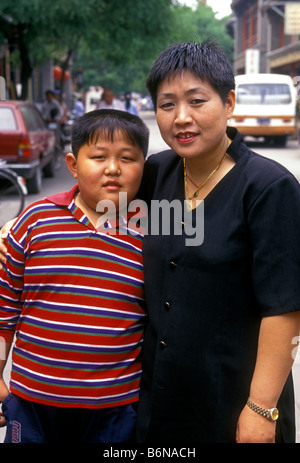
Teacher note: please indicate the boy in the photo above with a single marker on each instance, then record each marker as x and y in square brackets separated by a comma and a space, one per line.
[74, 295]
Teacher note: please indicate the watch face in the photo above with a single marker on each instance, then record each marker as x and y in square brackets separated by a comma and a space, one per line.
[274, 414]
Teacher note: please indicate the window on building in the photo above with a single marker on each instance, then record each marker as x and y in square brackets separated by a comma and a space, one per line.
[250, 26]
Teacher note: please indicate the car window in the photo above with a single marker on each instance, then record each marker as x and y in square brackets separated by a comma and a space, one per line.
[7, 119]
[264, 94]
[32, 118]
[39, 118]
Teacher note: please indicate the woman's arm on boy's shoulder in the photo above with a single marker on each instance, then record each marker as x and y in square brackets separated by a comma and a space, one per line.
[3, 236]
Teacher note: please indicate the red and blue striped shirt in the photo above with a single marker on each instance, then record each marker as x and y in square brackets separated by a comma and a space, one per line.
[75, 297]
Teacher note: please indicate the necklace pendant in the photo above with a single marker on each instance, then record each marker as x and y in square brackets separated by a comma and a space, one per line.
[196, 194]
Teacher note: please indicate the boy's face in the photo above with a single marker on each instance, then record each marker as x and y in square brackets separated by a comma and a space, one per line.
[107, 168]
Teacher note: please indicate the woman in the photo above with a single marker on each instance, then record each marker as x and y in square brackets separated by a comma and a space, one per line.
[223, 314]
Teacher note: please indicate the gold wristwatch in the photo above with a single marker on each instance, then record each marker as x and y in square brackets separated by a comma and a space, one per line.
[272, 414]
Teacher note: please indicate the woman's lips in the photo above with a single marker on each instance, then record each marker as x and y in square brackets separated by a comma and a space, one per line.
[186, 137]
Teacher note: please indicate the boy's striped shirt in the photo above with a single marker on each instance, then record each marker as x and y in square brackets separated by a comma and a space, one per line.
[76, 298]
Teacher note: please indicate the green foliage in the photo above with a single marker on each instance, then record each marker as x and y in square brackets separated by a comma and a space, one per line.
[126, 65]
[200, 24]
[114, 41]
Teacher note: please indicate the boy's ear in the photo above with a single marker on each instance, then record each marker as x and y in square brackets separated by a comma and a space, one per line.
[72, 164]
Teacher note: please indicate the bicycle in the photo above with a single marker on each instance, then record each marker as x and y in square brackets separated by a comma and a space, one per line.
[12, 193]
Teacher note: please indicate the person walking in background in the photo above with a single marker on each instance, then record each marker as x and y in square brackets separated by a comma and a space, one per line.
[130, 105]
[79, 108]
[109, 101]
[52, 113]
[51, 109]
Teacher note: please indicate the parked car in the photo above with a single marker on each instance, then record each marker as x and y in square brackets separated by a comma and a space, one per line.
[26, 143]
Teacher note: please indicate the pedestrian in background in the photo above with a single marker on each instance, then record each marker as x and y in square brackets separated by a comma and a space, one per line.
[130, 105]
[79, 108]
[109, 101]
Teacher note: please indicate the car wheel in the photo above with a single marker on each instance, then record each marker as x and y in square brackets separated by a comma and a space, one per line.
[280, 140]
[34, 184]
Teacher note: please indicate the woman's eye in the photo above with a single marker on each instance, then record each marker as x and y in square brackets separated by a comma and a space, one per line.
[166, 105]
[197, 101]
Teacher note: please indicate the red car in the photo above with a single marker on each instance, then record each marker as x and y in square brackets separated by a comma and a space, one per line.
[26, 143]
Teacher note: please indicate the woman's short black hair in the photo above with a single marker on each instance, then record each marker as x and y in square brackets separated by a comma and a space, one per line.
[104, 123]
[205, 60]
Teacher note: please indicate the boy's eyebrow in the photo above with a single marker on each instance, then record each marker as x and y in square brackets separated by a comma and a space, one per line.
[105, 148]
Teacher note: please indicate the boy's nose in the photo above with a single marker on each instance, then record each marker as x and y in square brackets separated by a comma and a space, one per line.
[112, 168]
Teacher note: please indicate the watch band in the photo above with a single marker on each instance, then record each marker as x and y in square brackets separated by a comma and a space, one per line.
[271, 414]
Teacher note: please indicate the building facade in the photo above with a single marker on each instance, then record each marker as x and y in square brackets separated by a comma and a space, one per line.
[267, 36]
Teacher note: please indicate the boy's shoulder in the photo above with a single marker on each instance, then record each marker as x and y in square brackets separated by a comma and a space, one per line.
[43, 208]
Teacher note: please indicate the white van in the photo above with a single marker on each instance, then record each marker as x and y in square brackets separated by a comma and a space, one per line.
[265, 106]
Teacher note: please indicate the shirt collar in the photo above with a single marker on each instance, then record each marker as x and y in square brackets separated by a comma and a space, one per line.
[65, 198]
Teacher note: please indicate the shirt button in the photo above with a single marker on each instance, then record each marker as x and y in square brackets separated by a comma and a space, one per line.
[167, 305]
[173, 265]
[163, 344]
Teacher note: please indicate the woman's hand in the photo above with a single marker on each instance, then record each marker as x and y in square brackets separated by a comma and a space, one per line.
[3, 236]
[253, 428]
[3, 393]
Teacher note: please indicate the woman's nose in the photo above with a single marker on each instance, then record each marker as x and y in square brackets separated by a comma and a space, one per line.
[183, 114]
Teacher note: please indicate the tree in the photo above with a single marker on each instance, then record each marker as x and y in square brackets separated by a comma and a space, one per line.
[115, 41]
[199, 24]
[39, 29]
[125, 65]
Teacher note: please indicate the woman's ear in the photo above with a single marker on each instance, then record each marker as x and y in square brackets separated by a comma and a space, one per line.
[230, 103]
[72, 164]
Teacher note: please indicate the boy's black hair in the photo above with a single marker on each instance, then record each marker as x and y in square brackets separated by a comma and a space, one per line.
[105, 122]
[205, 60]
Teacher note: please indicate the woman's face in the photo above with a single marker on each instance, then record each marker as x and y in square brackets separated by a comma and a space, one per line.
[191, 116]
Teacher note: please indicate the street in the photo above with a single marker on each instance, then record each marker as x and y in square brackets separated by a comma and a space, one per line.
[288, 156]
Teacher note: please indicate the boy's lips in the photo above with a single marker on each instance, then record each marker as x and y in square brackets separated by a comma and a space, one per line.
[112, 185]
[185, 137]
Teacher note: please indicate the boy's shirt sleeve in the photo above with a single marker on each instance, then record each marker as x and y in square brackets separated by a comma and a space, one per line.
[11, 285]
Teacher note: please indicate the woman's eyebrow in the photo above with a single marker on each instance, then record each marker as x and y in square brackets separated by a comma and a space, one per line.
[191, 90]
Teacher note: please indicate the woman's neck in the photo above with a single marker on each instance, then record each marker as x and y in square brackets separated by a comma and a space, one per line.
[203, 164]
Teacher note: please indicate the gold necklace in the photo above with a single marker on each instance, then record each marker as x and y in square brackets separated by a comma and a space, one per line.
[207, 178]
